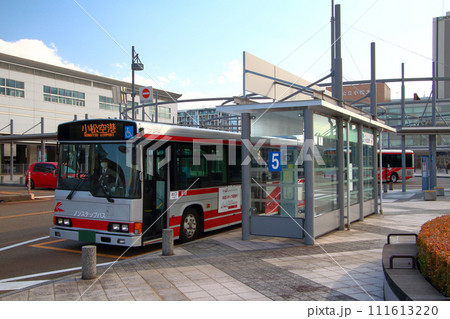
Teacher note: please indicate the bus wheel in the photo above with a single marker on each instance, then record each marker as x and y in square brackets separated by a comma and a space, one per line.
[190, 225]
[394, 177]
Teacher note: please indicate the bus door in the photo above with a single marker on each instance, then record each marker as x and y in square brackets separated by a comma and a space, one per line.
[155, 190]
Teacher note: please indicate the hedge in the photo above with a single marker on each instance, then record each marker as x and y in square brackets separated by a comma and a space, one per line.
[433, 245]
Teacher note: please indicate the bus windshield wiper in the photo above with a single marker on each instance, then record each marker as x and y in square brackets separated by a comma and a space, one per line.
[105, 191]
[69, 197]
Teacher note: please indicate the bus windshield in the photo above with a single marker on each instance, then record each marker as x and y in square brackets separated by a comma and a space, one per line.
[106, 170]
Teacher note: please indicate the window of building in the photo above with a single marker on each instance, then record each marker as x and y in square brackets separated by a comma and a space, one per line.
[12, 87]
[165, 112]
[63, 96]
[106, 103]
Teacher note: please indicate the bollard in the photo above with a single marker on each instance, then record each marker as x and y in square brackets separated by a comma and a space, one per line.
[384, 187]
[89, 262]
[440, 191]
[167, 242]
[429, 195]
[391, 185]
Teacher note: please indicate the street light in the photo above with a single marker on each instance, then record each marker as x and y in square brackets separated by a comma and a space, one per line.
[136, 65]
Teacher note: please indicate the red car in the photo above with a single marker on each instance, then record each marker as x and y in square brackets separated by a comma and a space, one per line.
[42, 174]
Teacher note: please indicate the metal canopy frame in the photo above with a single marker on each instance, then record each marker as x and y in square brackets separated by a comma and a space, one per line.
[318, 106]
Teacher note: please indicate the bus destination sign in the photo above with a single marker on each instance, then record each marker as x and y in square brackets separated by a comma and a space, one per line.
[96, 130]
[99, 130]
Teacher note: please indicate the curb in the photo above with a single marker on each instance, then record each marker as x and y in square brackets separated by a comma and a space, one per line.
[16, 198]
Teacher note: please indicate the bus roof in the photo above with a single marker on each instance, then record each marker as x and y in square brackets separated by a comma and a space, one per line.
[73, 131]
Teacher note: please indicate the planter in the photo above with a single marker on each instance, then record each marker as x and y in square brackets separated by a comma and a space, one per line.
[402, 280]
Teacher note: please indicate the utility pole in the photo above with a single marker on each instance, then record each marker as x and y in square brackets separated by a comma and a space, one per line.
[136, 65]
[338, 60]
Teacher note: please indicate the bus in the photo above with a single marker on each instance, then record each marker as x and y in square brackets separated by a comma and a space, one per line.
[391, 160]
[122, 182]
[392, 165]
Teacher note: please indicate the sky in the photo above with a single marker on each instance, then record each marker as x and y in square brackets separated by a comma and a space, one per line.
[195, 47]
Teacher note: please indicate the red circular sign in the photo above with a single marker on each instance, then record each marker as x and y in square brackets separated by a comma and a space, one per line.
[145, 93]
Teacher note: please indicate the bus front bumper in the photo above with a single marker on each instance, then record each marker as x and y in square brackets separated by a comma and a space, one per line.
[95, 237]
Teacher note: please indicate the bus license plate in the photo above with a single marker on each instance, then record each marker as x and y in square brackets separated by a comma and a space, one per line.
[86, 236]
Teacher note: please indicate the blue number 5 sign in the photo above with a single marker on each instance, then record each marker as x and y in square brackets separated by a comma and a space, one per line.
[274, 161]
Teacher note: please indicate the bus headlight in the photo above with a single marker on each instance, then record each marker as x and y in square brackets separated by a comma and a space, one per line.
[60, 221]
[119, 227]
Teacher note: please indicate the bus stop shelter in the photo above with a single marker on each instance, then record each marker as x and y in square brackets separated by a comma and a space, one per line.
[308, 167]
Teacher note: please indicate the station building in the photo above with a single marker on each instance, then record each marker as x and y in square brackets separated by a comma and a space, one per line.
[36, 97]
[209, 118]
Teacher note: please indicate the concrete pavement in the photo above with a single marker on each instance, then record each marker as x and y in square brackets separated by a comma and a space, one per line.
[343, 265]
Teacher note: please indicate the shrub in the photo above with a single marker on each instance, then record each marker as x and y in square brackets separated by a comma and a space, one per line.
[433, 245]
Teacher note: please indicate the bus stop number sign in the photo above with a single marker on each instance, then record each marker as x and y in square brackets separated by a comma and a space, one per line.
[275, 162]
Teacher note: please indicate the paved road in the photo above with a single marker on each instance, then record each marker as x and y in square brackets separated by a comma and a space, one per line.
[416, 183]
[21, 222]
[26, 249]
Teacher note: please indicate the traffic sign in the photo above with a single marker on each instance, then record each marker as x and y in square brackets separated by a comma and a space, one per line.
[275, 162]
[146, 94]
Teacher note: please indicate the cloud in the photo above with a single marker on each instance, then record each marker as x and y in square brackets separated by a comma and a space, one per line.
[232, 73]
[37, 50]
[185, 82]
[120, 65]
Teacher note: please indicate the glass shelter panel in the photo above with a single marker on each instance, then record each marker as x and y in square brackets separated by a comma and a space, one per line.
[325, 165]
[353, 163]
[368, 149]
[277, 177]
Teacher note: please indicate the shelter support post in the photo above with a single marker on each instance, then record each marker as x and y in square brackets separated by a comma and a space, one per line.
[360, 173]
[309, 177]
[246, 182]
[375, 169]
[403, 136]
[340, 172]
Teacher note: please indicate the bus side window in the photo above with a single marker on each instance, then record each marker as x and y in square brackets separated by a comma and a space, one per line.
[235, 170]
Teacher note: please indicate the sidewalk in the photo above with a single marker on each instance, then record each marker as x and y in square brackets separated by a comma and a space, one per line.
[16, 180]
[13, 196]
[343, 265]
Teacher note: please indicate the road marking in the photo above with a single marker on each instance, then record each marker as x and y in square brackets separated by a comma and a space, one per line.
[44, 196]
[24, 243]
[14, 285]
[29, 214]
[44, 246]
[49, 273]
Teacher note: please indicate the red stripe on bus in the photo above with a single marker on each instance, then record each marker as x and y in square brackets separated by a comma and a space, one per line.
[190, 139]
[215, 213]
[216, 222]
[90, 224]
[202, 191]
[174, 221]
[235, 218]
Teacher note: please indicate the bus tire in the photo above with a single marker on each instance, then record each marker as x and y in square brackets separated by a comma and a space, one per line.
[190, 225]
[394, 177]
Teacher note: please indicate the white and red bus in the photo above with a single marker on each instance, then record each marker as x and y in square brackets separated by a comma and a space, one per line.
[391, 161]
[392, 165]
[122, 182]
